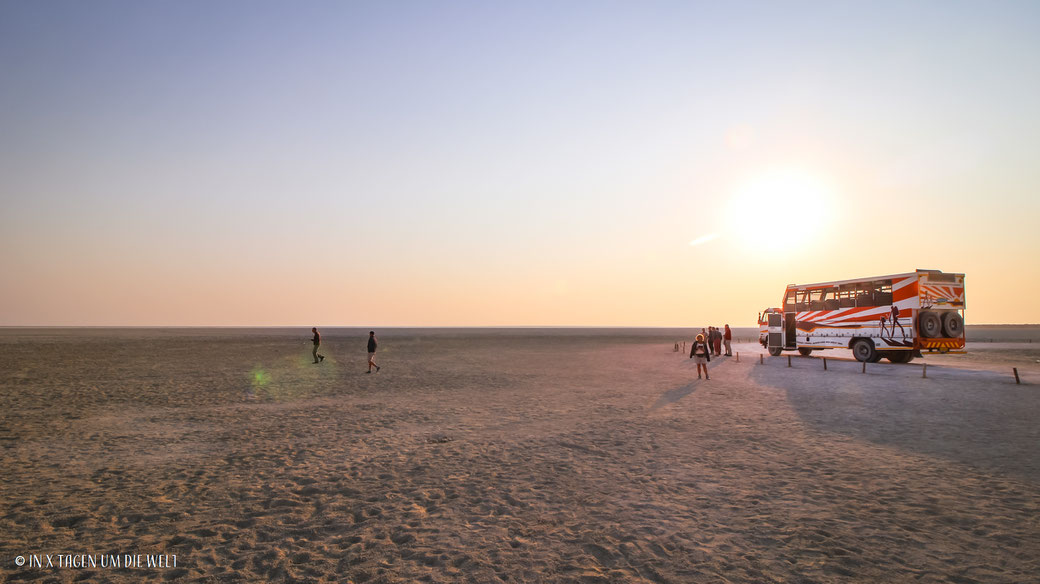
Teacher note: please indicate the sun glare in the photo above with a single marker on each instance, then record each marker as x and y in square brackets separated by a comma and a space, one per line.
[764, 208]
[704, 239]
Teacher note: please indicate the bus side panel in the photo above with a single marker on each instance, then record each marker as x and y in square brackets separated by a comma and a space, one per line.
[837, 328]
[905, 293]
[897, 330]
[834, 328]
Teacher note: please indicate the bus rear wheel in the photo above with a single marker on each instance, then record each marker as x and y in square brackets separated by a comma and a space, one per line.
[804, 352]
[952, 324]
[775, 351]
[929, 324]
[863, 350]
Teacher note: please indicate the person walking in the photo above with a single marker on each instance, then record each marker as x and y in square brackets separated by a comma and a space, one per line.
[701, 355]
[317, 342]
[372, 344]
[727, 338]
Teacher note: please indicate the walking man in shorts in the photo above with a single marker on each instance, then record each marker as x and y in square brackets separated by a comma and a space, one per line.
[372, 344]
[317, 341]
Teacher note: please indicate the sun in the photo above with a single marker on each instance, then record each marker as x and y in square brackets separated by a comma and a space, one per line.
[781, 209]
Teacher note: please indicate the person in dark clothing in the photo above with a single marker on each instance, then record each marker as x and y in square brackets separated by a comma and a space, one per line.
[372, 344]
[317, 341]
[701, 355]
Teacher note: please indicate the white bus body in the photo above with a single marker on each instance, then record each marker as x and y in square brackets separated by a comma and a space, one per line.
[894, 317]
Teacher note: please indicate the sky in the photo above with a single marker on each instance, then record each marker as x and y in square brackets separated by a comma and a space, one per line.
[579, 163]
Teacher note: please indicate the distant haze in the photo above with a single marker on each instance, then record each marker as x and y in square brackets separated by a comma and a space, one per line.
[498, 164]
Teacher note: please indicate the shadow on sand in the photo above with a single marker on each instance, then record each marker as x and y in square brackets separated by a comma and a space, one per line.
[968, 416]
[673, 395]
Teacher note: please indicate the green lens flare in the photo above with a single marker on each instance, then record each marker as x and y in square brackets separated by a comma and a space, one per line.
[260, 377]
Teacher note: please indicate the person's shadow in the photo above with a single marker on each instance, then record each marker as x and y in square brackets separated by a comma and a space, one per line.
[673, 395]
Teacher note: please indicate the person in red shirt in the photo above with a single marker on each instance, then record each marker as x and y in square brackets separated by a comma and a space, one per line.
[727, 338]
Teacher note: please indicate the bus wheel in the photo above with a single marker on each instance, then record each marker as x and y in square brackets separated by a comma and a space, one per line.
[900, 356]
[928, 323]
[952, 324]
[775, 351]
[804, 351]
[864, 352]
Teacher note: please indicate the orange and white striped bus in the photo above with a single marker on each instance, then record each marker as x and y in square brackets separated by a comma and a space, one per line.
[894, 317]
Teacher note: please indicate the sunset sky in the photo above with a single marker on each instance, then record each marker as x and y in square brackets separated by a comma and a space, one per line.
[411, 163]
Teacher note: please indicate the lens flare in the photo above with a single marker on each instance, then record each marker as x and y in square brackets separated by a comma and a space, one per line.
[260, 377]
[292, 377]
[704, 239]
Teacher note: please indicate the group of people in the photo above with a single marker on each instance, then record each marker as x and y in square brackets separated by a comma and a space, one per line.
[710, 342]
[372, 344]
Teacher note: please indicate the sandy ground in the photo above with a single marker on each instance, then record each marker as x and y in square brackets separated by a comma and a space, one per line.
[519, 458]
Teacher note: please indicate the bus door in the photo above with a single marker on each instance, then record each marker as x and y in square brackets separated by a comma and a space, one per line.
[790, 331]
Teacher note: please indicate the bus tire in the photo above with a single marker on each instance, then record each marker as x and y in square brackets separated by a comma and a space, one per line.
[864, 352]
[775, 351]
[929, 324]
[952, 324]
[804, 351]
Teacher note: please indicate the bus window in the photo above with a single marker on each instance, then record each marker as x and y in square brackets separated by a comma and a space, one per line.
[802, 300]
[796, 300]
[847, 296]
[823, 299]
[814, 300]
[883, 292]
[830, 299]
[864, 294]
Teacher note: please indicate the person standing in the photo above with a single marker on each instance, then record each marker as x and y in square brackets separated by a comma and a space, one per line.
[317, 342]
[727, 338]
[372, 344]
[701, 355]
[718, 342]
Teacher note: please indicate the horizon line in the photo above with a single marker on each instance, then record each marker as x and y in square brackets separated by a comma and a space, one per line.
[502, 326]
